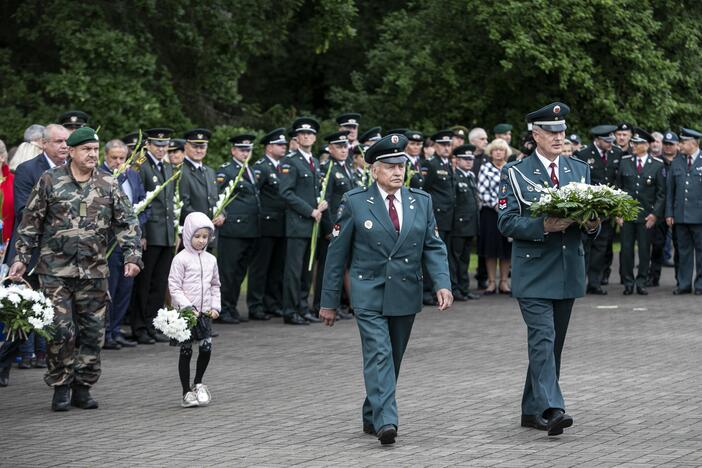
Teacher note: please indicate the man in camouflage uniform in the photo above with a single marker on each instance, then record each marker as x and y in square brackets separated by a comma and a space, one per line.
[69, 215]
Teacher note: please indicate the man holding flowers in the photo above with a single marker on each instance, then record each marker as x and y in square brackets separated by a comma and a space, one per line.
[548, 263]
[69, 215]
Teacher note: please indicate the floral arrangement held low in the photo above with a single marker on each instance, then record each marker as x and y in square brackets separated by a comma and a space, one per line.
[23, 310]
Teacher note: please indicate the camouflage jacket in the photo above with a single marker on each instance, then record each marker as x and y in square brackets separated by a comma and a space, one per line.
[70, 224]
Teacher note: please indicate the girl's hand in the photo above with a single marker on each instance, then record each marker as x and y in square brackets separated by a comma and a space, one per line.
[214, 314]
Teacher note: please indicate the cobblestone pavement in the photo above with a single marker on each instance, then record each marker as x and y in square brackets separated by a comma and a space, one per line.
[287, 395]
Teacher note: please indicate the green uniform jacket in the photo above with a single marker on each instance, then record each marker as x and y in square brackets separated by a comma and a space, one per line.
[385, 269]
[198, 190]
[160, 227]
[601, 173]
[272, 203]
[340, 182]
[71, 222]
[299, 186]
[415, 174]
[544, 266]
[648, 187]
[465, 214]
[684, 193]
[241, 218]
[438, 182]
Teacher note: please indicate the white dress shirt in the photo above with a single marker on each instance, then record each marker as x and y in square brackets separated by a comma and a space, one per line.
[397, 201]
[197, 165]
[547, 163]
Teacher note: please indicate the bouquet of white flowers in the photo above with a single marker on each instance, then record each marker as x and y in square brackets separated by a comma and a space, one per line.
[175, 324]
[24, 310]
[583, 202]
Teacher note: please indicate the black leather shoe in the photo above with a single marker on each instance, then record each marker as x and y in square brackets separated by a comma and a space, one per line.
[679, 291]
[311, 318]
[226, 318]
[111, 344]
[368, 429]
[276, 313]
[4, 376]
[472, 296]
[597, 290]
[295, 319]
[698, 292]
[457, 296]
[125, 342]
[144, 338]
[81, 398]
[604, 282]
[343, 315]
[557, 421]
[537, 422]
[259, 315]
[62, 398]
[430, 301]
[641, 291]
[160, 337]
[386, 434]
[482, 284]
[628, 291]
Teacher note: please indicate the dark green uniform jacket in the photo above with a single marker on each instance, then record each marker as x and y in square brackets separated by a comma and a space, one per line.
[160, 227]
[198, 189]
[272, 203]
[465, 214]
[648, 187]
[438, 183]
[242, 213]
[299, 186]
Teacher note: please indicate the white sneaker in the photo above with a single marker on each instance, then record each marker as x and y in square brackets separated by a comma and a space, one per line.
[203, 394]
[189, 400]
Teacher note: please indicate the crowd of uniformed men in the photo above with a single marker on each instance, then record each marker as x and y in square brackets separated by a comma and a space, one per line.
[266, 231]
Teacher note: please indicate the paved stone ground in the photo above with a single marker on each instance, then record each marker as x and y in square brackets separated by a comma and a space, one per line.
[292, 395]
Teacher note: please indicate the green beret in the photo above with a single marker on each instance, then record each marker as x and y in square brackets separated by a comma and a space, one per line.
[82, 135]
[502, 128]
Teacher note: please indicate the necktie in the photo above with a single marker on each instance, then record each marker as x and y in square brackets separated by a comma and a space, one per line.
[689, 163]
[604, 158]
[160, 167]
[311, 161]
[638, 165]
[277, 169]
[393, 213]
[554, 177]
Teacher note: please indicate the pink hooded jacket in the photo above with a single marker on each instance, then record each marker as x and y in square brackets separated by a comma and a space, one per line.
[194, 277]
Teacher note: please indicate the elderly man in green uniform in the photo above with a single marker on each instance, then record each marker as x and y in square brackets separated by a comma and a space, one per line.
[641, 176]
[69, 214]
[603, 159]
[341, 180]
[548, 264]
[385, 232]
[159, 231]
[236, 238]
[264, 296]
[465, 223]
[414, 177]
[684, 211]
[300, 187]
[198, 184]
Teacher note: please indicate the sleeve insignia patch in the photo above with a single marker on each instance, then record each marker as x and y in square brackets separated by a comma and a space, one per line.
[336, 230]
[503, 203]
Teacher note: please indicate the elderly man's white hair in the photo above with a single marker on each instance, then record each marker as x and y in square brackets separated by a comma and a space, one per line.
[34, 132]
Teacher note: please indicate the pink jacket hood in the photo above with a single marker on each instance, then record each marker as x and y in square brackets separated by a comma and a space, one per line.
[193, 222]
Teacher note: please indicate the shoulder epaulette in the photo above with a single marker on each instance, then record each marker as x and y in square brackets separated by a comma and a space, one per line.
[419, 192]
[657, 159]
[513, 163]
[225, 165]
[579, 161]
[628, 156]
[356, 191]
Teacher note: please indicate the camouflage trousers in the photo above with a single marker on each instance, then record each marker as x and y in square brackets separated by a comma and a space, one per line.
[73, 354]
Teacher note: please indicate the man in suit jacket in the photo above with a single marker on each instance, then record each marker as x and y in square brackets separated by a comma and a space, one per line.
[385, 232]
[237, 236]
[603, 159]
[548, 264]
[684, 211]
[120, 286]
[300, 186]
[149, 290]
[641, 176]
[264, 296]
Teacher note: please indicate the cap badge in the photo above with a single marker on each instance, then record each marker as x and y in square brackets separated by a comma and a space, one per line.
[200, 136]
[556, 109]
[161, 135]
[415, 136]
[460, 132]
[74, 118]
[281, 137]
[246, 142]
[669, 136]
[352, 121]
[306, 126]
[394, 139]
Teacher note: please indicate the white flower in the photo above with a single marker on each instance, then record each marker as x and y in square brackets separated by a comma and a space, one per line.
[35, 322]
[14, 298]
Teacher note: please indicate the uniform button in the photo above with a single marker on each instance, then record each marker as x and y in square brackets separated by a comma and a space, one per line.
[389, 277]
[404, 278]
[389, 258]
[685, 190]
[687, 182]
[378, 243]
[528, 256]
[564, 247]
[406, 261]
[360, 276]
[238, 220]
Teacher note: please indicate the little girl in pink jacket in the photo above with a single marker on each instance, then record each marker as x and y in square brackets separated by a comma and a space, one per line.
[194, 282]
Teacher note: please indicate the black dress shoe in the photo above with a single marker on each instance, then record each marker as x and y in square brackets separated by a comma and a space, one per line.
[430, 301]
[4, 376]
[597, 290]
[482, 284]
[604, 282]
[457, 296]
[679, 291]
[311, 318]
[472, 296]
[386, 434]
[641, 291]
[295, 319]
[81, 398]
[698, 292]
[125, 342]
[62, 398]
[259, 315]
[276, 313]
[226, 318]
[628, 291]
[160, 337]
[368, 429]
[111, 344]
[557, 421]
[144, 338]
[537, 422]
